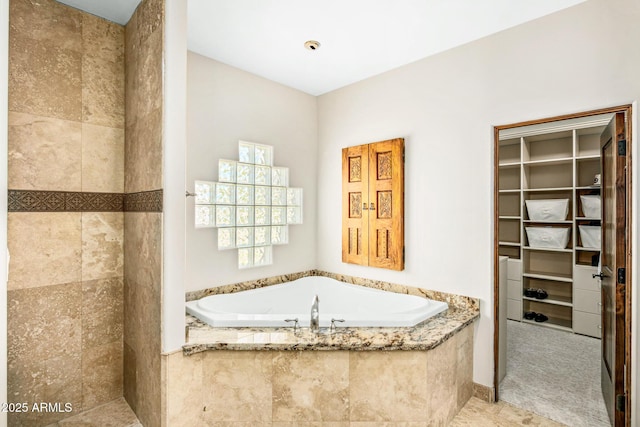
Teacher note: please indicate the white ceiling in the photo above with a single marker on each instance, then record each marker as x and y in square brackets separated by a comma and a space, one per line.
[114, 10]
[359, 38]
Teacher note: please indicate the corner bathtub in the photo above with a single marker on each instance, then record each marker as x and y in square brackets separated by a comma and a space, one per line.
[359, 306]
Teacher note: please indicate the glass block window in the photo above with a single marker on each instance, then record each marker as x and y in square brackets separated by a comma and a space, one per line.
[251, 205]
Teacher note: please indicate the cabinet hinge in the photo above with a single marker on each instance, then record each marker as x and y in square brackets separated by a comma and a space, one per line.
[620, 402]
[622, 147]
[622, 276]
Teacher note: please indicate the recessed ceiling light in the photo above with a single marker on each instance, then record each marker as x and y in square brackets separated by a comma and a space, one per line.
[312, 45]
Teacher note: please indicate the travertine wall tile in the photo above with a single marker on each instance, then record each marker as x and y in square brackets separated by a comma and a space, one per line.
[151, 18]
[237, 386]
[102, 92]
[44, 342]
[64, 382]
[394, 424]
[129, 380]
[65, 333]
[44, 80]
[142, 278]
[143, 160]
[142, 313]
[143, 230]
[184, 388]
[45, 249]
[102, 39]
[441, 370]
[399, 382]
[311, 386]
[46, 21]
[101, 312]
[102, 245]
[101, 374]
[464, 369]
[311, 424]
[102, 159]
[44, 322]
[149, 74]
[44, 153]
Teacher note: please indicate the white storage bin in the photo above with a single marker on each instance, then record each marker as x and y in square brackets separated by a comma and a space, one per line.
[591, 206]
[590, 235]
[548, 237]
[548, 209]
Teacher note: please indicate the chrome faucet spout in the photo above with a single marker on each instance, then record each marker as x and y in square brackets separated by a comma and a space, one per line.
[314, 324]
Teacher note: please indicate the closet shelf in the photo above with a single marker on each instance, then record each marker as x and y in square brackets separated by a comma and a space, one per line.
[588, 157]
[509, 165]
[582, 248]
[541, 190]
[554, 323]
[509, 217]
[549, 301]
[558, 161]
[509, 243]
[547, 222]
[589, 187]
[548, 277]
[517, 190]
[531, 248]
[584, 218]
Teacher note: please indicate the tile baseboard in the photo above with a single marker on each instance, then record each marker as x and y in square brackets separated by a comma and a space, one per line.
[484, 392]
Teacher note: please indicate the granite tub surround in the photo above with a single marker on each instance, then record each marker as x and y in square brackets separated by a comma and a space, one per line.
[424, 336]
[328, 388]
[452, 299]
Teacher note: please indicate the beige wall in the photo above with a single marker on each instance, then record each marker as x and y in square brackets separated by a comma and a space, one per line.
[582, 58]
[225, 105]
[66, 133]
[143, 227]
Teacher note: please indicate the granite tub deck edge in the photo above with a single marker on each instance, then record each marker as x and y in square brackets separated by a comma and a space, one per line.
[462, 312]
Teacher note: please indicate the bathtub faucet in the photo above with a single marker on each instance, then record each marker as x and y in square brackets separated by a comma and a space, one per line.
[314, 325]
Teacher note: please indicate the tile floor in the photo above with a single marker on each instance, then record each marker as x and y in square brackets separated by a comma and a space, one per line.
[476, 413]
[555, 374]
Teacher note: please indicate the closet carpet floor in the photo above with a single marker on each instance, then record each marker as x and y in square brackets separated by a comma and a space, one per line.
[555, 374]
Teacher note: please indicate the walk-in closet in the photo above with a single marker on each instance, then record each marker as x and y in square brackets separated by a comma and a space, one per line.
[549, 232]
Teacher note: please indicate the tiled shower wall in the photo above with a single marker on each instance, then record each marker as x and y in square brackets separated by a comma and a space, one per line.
[143, 212]
[65, 221]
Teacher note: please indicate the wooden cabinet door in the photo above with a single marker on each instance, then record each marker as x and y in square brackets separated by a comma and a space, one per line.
[373, 204]
[386, 204]
[355, 203]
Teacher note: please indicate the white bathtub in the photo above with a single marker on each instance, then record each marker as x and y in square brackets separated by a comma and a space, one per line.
[269, 306]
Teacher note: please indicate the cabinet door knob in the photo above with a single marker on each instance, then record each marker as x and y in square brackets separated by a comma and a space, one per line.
[598, 275]
[364, 207]
[372, 207]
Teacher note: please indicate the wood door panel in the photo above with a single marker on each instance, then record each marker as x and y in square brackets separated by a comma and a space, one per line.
[613, 258]
[386, 215]
[355, 177]
[373, 204]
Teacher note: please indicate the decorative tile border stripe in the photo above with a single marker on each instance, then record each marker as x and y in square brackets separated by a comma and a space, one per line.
[77, 201]
[64, 201]
[144, 201]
